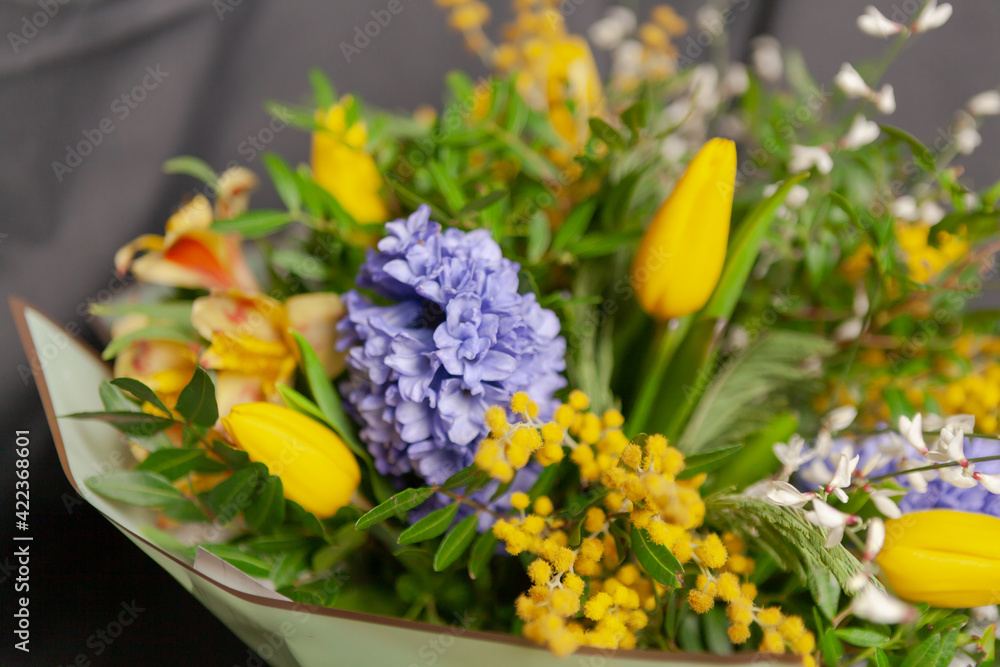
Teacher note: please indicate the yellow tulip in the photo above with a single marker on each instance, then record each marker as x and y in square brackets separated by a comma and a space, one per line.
[343, 167]
[680, 258]
[316, 468]
[943, 557]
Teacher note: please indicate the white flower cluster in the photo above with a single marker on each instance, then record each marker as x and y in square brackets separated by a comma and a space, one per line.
[944, 458]
[875, 23]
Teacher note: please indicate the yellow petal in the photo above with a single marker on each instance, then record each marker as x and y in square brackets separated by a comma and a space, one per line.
[315, 316]
[943, 557]
[316, 468]
[680, 257]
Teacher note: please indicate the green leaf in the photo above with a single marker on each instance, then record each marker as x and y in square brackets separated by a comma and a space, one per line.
[115, 400]
[708, 461]
[267, 508]
[574, 226]
[327, 398]
[400, 503]
[600, 244]
[135, 487]
[240, 559]
[447, 186]
[233, 458]
[949, 642]
[129, 423]
[743, 251]
[287, 566]
[881, 659]
[300, 403]
[284, 181]
[232, 496]
[543, 484]
[925, 654]
[482, 552]
[539, 234]
[140, 391]
[254, 224]
[923, 155]
[609, 135]
[152, 332]
[324, 94]
[175, 463]
[471, 476]
[757, 460]
[456, 542]
[196, 402]
[655, 558]
[864, 637]
[191, 166]
[185, 511]
[344, 540]
[295, 513]
[635, 116]
[825, 590]
[483, 202]
[430, 526]
[177, 312]
[830, 646]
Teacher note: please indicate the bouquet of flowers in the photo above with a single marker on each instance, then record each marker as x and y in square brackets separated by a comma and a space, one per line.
[680, 359]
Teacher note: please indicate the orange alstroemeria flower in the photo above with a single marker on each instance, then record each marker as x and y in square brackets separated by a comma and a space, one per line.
[190, 254]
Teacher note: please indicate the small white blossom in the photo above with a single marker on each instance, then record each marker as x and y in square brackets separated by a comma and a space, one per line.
[950, 446]
[874, 23]
[990, 482]
[784, 494]
[965, 422]
[913, 431]
[608, 32]
[986, 103]
[933, 16]
[871, 465]
[824, 443]
[673, 148]
[831, 518]
[736, 81]
[849, 330]
[626, 60]
[885, 100]
[861, 303]
[849, 81]
[905, 208]
[709, 19]
[882, 499]
[958, 476]
[858, 580]
[862, 133]
[917, 480]
[842, 477]
[766, 58]
[840, 418]
[877, 606]
[805, 158]
[705, 87]
[931, 213]
[967, 140]
[875, 538]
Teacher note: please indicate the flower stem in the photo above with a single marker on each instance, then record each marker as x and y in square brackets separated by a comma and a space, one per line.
[936, 466]
[668, 340]
[472, 503]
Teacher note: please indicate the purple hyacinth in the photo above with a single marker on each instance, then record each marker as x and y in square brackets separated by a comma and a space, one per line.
[456, 338]
[939, 495]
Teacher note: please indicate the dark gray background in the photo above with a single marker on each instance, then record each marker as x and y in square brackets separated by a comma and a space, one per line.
[224, 59]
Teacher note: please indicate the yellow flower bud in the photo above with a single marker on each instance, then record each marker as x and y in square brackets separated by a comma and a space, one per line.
[943, 557]
[680, 258]
[316, 468]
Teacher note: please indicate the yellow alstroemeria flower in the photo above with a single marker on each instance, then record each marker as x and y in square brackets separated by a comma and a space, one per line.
[316, 468]
[680, 257]
[344, 168]
[250, 342]
[165, 366]
[190, 254]
[943, 557]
